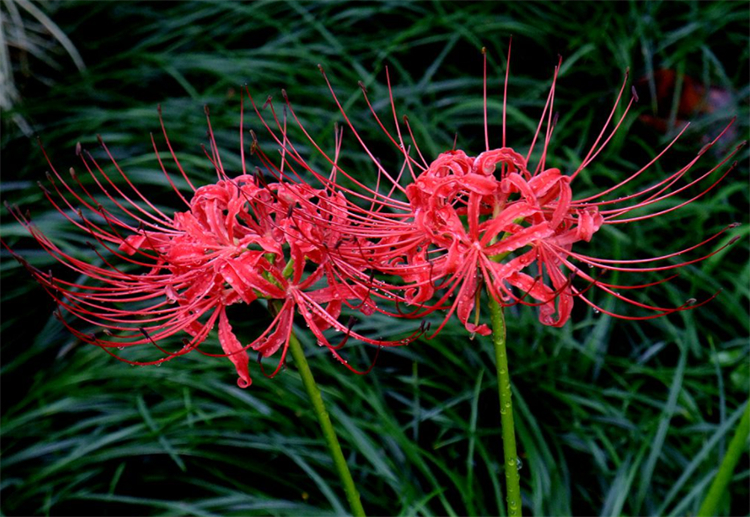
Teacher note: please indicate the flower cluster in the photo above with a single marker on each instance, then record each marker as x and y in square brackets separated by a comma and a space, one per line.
[496, 223]
[304, 243]
[239, 240]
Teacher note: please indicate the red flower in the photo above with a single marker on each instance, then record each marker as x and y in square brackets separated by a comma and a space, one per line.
[239, 240]
[491, 221]
[495, 221]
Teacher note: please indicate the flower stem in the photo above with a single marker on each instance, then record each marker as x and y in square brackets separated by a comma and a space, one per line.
[352, 495]
[512, 479]
[736, 447]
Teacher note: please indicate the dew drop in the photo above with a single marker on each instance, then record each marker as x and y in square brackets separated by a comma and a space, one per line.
[596, 311]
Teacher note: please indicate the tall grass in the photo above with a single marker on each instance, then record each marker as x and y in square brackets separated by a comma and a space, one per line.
[614, 417]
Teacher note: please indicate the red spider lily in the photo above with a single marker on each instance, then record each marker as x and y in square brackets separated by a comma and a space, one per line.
[491, 221]
[240, 240]
[496, 221]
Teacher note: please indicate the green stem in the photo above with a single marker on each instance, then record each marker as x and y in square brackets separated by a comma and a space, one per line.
[352, 495]
[512, 478]
[736, 446]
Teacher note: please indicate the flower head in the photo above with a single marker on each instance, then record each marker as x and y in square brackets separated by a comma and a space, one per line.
[497, 221]
[236, 241]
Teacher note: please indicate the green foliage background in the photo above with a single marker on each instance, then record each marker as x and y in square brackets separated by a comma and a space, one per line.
[614, 417]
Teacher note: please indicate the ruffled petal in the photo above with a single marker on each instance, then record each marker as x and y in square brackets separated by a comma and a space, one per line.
[234, 350]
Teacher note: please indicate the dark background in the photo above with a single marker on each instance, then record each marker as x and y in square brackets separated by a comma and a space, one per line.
[614, 417]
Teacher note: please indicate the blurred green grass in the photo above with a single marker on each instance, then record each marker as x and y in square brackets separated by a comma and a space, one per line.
[614, 417]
